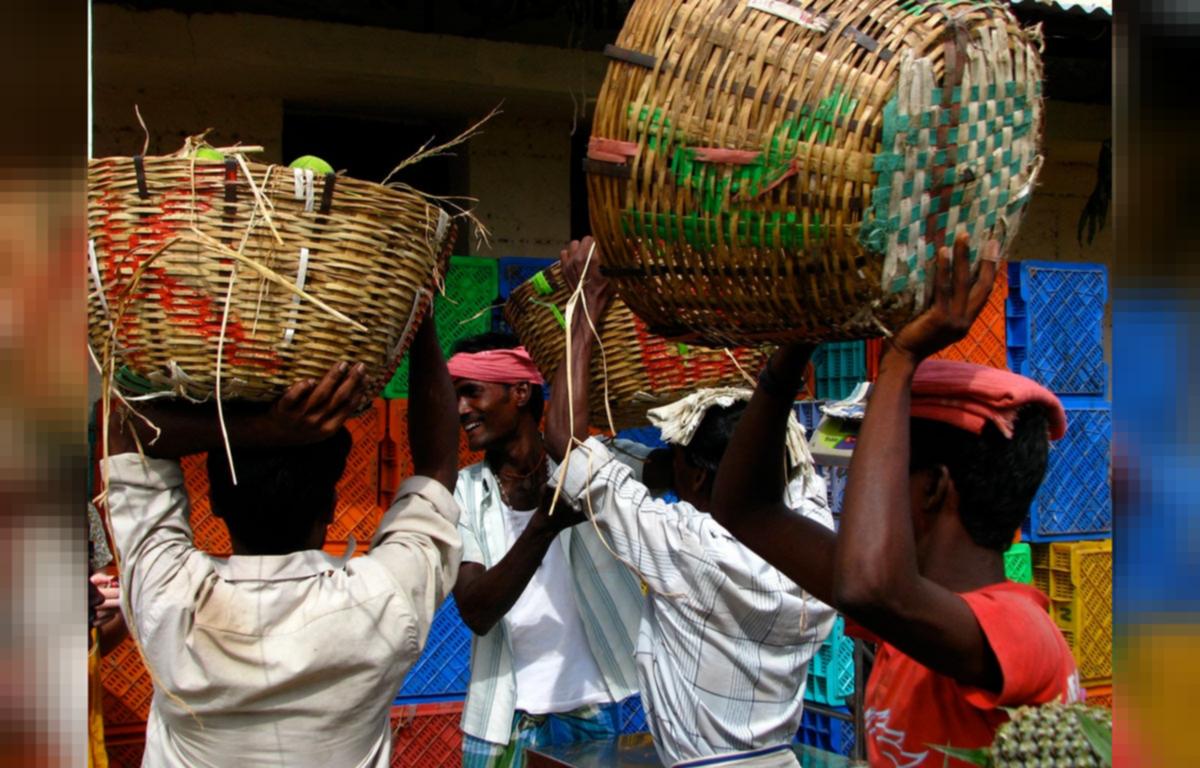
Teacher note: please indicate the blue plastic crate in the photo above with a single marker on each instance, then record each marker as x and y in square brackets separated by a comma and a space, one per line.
[647, 436]
[828, 733]
[835, 488]
[831, 670]
[633, 717]
[514, 270]
[839, 367]
[808, 413]
[1075, 500]
[444, 668]
[1054, 322]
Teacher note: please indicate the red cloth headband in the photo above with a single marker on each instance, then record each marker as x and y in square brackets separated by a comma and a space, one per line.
[968, 396]
[500, 366]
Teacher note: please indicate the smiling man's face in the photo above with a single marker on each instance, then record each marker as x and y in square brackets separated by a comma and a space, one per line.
[488, 412]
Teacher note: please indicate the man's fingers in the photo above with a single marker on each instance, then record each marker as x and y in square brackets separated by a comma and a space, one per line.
[329, 384]
[349, 391]
[943, 281]
[982, 289]
[961, 267]
[295, 395]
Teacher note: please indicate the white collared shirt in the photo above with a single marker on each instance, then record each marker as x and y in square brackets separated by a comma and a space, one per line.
[725, 638]
[607, 594]
[275, 660]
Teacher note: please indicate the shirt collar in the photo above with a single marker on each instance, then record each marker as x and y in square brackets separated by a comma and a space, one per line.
[289, 567]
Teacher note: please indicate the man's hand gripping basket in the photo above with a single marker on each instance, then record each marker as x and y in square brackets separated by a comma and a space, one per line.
[642, 370]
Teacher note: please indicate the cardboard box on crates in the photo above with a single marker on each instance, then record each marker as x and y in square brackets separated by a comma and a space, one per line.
[1077, 577]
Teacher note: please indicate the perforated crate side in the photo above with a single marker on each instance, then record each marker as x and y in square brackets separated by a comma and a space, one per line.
[1041, 580]
[128, 688]
[357, 512]
[1099, 696]
[444, 668]
[1092, 572]
[839, 366]
[633, 715]
[125, 745]
[1055, 314]
[808, 413]
[986, 341]
[828, 733]
[831, 669]
[464, 310]
[1075, 498]
[426, 735]
[1018, 565]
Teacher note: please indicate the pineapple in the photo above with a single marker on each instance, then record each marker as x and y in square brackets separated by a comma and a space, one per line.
[1048, 736]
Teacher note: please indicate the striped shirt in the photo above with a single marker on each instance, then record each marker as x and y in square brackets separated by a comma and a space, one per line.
[725, 639]
[607, 594]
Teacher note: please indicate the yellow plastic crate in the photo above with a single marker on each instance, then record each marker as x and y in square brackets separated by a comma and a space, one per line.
[1085, 617]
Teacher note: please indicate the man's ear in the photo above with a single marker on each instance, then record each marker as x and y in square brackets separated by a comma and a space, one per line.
[937, 488]
[521, 390]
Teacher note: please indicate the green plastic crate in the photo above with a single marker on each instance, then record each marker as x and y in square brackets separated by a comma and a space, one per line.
[465, 310]
[1018, 563]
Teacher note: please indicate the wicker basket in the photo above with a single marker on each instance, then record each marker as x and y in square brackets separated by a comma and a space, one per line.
[643, 370]
[760, 172]
[184, 262]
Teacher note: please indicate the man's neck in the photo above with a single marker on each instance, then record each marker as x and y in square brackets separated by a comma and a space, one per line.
[521, 454]
[963, 566]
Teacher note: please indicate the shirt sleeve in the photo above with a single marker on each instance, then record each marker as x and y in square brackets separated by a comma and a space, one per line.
[1028, 647]
[643, 531]
[418, 543]
[160, 568]
[472, 552]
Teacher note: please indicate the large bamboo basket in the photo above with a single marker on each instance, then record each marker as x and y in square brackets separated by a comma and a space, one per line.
[284, 273]
[762, 172]
[642, 370]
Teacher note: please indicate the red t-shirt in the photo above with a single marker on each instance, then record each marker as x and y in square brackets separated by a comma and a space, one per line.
[909, 707]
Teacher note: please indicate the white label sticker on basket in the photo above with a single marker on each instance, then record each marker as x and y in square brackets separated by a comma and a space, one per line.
[792, 13]
[301, 277]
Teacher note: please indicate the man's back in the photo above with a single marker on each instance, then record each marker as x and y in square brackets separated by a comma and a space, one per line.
[275, 660]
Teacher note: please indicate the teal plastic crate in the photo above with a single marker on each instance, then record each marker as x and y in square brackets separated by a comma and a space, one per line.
[831, 670]
[465, 310]
[839, 367]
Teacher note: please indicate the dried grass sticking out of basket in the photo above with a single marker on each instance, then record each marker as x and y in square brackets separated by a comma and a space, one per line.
[642, 370]
[282, 272]
[761, 171]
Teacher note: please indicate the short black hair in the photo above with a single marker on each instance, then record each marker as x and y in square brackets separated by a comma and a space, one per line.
[996, 477]
[496, 340]
[281, 492]
[712, 436]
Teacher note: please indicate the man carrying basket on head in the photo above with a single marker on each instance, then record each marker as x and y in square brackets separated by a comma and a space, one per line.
[724, 639]
[281, 654]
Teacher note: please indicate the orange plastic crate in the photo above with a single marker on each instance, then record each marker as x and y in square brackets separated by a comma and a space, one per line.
[986, 342]
[357, 510]
[1100, 696]
[426, 735]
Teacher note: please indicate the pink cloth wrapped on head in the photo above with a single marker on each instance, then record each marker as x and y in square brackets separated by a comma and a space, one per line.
[499, 366]
[968, 396]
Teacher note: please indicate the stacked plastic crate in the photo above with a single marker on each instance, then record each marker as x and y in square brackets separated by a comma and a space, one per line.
[1054, 325]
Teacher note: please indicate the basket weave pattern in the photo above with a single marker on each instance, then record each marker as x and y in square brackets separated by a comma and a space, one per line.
[164, 232]
[758, 172]
[643, 370]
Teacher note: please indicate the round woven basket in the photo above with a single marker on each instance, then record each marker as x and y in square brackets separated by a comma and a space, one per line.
[642, 370]
[282, 272]
[759, 171]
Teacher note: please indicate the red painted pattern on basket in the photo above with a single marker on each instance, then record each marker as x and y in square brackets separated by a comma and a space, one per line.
[667, 367]
[187, 308]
